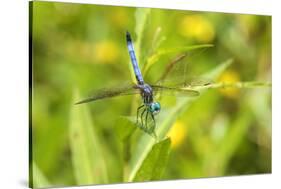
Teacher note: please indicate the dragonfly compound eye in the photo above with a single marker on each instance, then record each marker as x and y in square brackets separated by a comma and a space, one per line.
[155, 107]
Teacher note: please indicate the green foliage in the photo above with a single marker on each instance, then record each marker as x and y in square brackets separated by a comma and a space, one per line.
[39, 179]
[155, 162]
[226, 130]
[164, 125]
[141, 16]
[125, 126]
[87, 155]
[230, 142]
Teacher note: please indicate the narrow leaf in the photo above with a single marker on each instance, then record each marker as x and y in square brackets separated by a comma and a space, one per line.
[87, 155]
[156, 40]
[215, 73]
[141, 16]
[124, 127]
[38, 179]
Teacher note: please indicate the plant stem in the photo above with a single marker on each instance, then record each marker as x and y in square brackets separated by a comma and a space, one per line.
[248, 84]
[126, 158]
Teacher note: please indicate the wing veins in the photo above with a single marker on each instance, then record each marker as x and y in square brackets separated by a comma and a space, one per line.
[109, 93]
[188, 92]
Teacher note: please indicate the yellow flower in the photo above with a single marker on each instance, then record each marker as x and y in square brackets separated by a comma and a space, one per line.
[106, 52]
[177, 133]
[229, 76]
[197, 27]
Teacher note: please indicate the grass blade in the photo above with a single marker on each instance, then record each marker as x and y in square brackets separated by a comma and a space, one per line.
[156, 40]
[38, 179]
[87, 155]
[141, 16]
[124, 128]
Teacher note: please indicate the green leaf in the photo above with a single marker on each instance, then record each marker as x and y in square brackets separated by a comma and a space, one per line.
[124, 127]
[155, 162]
[87, 155]
[215, 73]
[38, 179]
[162, 52]
[141, 16]
[156, 40]
[165, 121]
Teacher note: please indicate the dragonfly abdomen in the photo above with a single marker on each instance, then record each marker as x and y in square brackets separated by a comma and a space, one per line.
[134, 59]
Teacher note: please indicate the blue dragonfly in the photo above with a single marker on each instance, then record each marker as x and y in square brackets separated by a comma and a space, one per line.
[149, 109]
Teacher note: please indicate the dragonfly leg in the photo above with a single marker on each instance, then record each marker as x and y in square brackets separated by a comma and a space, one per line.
[154, 123]
[146, 116]
[142, 126]
[146, 99]
[152, 116]
[153, 127]
[139, 108]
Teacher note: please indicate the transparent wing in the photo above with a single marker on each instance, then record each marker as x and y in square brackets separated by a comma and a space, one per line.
[111, 92]
[174, 91]
[180, 71]
[182, 81]
[170, 66]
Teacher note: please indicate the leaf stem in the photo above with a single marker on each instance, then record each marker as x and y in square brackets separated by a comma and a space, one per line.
[247, 84]
[126, 158]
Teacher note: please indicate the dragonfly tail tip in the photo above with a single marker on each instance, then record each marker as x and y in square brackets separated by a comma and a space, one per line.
[128, 36]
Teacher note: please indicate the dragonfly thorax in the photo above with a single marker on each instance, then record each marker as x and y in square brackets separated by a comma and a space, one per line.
[146, 93]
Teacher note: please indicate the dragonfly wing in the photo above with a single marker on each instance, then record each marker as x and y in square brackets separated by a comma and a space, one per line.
[178, 72]
[175, 90]
[110, 92]
[182, 81]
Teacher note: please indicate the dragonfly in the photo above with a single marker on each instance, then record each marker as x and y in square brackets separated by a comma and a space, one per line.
[149, 108]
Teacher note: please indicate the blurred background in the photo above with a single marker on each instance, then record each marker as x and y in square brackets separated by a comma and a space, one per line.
[79, 47]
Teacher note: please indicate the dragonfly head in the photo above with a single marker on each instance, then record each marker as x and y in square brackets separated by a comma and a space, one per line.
[154, 108]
